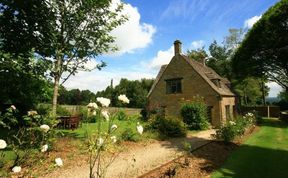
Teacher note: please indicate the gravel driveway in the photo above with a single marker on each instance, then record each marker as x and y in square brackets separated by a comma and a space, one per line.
[136, 161]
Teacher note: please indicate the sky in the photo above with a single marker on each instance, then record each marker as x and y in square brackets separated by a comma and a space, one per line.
[146, 40]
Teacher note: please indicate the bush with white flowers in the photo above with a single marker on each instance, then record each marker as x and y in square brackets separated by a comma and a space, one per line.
[3, 145]
[234, 128]
[33, 132]
[103, 138]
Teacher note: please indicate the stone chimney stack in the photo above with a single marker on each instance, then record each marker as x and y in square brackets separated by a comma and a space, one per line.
[177, 47]
[203, 61]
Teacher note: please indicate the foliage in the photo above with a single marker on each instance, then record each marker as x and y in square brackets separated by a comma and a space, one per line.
[75, 96]
[61, 111]
[43, 109]
[86, 117]
[8, 118]
[22, 81]
[251, 90]
[130, 135]
[194, 114]
[66, 34]
[227, 132]
[197, 54]
[170, 126]
[136, 91]
[220, 59]
[29, 135]
[264, 153]
[263, 52]
[283, 103]
[144, 114]
[102, 139]
[232, 129]
[121, 115]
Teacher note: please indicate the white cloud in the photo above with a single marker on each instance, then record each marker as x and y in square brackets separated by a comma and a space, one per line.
[98, 80]
[274, 89]
[250, 22]
[162, 57]
[132, 34]
[197, 44]
[91, 64]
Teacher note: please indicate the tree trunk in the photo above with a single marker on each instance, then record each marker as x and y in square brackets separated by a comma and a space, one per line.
[55, 95]
[263, 92]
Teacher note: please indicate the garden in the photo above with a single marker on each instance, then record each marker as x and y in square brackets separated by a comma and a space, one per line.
[44, 43]
[35, 145]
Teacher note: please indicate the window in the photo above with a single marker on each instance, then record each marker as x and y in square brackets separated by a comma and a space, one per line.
[173, 86]
[209, 113]
[228, 113]
[216, 82]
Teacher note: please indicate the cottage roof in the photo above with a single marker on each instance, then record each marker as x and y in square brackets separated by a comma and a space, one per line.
[216, 82]
[161, 71]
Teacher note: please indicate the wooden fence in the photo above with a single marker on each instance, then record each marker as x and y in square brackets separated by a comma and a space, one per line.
[264, 111]
[75, 109]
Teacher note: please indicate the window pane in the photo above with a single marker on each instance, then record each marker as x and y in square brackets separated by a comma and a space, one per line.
[173, 86]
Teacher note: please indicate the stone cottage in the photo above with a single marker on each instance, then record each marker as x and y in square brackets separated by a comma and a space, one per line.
[183, 79]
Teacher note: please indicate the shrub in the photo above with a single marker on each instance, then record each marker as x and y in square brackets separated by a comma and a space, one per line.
[121, 115]
[44, 109]
[171, 127]
[195, 115]
[144, 114]
[227, 132]
[231, 129]
[129, 135]
[86, 118]
[61, 111]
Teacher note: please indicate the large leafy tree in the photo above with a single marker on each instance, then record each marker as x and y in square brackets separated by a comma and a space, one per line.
[264, 50]
[21, 84]
[67, 33]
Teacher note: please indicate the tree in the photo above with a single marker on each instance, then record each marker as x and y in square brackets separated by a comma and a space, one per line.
[197, 54]
[264, 50]
[72, 33]
[21, 84]
[220, 59]
[136, 91]
[251, 91]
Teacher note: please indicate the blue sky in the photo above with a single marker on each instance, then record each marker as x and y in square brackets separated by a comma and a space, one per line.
[145, 41]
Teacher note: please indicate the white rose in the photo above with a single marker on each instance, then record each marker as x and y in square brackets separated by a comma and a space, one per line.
[59, 162]
[45, 128]
[3, 144]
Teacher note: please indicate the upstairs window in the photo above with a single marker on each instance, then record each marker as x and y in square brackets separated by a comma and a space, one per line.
[173, 86]
[216, 82]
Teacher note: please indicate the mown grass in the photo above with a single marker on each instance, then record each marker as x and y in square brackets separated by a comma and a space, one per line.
[264, 154]
[88, 129]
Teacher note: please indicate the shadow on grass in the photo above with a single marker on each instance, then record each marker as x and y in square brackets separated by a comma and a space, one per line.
[253, 161]
[273, 122]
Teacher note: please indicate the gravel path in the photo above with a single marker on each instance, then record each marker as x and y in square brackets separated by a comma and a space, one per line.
[136, 161]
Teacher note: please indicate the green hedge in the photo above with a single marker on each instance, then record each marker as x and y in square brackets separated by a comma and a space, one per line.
[195, 115]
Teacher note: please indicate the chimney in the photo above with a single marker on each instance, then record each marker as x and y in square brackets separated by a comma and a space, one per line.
[203, 60]
[177, 47]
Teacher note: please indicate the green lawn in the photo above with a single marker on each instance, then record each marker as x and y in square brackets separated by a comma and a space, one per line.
[264, 154]
[88, 129]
